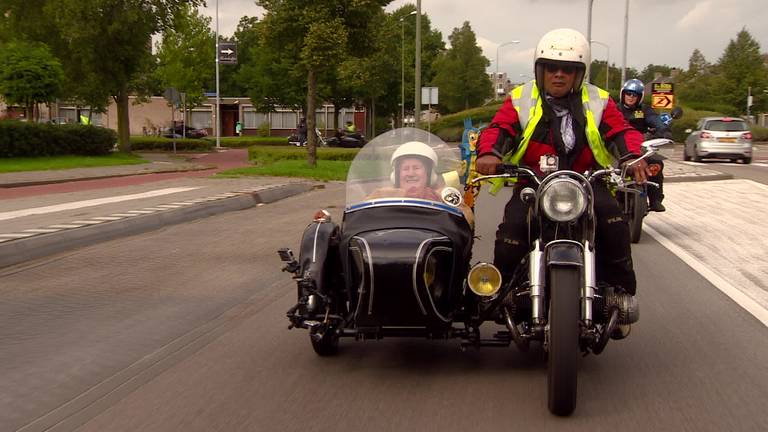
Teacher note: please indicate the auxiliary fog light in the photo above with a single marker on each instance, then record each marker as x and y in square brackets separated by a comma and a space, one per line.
[484, 279]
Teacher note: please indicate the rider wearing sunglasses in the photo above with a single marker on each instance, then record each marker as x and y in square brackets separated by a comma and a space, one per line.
[559, 114]
[644, 119]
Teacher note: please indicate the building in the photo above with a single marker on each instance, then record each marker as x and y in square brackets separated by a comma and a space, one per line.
[502, 85]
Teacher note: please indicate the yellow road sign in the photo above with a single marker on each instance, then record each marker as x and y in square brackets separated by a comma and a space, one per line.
[663, 101]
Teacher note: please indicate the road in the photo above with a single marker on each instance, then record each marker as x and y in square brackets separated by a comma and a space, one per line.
[183, 329]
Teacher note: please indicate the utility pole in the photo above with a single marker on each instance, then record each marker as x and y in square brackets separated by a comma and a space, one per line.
[217, 125]
[589, 33]
[626, 31]
[417, 78]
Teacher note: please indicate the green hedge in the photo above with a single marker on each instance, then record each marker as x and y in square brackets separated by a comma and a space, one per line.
[246, 141]
[148, 143]
[267, 154]
[759, 133]
[24, 139]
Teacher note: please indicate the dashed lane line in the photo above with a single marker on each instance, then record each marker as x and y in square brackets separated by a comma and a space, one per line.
[90, 203]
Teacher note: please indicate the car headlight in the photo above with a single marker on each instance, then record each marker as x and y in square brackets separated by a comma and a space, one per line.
[563, 200]
[484, 279]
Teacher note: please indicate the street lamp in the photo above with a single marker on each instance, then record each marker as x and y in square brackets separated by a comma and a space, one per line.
[589, 31]
[496, 77]
[607, 60]
[402, 55]
[626, 30]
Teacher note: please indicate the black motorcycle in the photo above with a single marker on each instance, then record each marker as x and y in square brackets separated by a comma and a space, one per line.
[346, 139]
[399, 266]
[633, 198]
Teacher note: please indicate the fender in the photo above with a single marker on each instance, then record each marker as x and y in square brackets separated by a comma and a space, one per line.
[566, 253]
[320, 239]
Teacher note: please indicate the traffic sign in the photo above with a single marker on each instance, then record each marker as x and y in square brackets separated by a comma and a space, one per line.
[662, 101]
[663, 95]
[227, 53]
[429, 95]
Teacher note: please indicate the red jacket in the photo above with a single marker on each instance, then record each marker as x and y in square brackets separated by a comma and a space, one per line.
[504, 134]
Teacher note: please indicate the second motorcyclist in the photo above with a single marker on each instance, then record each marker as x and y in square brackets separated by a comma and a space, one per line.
[559, 114]
[643, 118]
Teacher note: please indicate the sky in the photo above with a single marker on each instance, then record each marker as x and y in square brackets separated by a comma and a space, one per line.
[659, 32]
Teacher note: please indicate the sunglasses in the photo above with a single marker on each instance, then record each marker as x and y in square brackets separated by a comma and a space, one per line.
[554, 67]
[631, 93]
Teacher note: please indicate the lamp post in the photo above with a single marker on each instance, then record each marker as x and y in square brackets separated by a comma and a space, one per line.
[402, 63]
[589, 31]
[417, 75]
[626, 30]
[496, 77]
[217, 125]
[607, 60]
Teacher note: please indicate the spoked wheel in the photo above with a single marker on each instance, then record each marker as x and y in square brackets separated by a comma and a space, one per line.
[325, 343]
[638, 212]
[562, 369]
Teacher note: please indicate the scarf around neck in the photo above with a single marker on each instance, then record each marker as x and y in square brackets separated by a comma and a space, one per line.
[562, 110]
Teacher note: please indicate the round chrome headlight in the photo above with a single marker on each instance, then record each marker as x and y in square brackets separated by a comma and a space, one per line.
[563, 200]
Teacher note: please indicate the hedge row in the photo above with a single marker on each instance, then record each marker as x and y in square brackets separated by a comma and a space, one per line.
[25, 139]
[142, 143]
[246, 141]
[267, 154]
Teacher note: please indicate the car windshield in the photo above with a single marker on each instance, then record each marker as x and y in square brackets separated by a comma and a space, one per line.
[726, 126]
[373, 174]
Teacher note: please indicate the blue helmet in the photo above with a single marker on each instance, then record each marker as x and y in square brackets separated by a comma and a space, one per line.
[635, 86]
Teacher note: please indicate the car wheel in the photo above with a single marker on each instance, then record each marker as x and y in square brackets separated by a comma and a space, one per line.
[747, 160]
[696, 157]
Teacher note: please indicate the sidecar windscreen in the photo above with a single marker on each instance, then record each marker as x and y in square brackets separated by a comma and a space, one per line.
[406, 163]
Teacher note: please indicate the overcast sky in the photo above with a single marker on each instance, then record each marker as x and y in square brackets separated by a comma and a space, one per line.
[660, 31]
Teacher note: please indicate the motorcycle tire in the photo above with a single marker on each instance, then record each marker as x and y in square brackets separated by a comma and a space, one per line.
[562, 367]
[327, 345]
[638, 212]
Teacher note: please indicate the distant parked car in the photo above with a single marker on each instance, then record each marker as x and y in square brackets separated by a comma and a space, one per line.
[178, 132]
[719, 138]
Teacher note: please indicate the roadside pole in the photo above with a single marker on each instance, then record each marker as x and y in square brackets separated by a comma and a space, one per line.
[217, 125]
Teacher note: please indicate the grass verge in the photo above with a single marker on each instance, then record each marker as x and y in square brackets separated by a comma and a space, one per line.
[8, 165]
[326, 170]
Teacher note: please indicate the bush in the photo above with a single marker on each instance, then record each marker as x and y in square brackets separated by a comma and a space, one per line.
[759, 133]
[451, 127]
[149, 143]
[24, 139]
[264, 129]
[266, 155]
[249, 140]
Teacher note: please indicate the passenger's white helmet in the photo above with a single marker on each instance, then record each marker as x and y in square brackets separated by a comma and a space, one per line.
[562, 45]
[419, 150]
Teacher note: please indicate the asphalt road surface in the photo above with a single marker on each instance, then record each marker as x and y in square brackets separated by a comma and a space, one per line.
[184, 329]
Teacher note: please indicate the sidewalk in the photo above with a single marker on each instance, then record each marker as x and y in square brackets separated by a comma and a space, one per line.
[159, 163]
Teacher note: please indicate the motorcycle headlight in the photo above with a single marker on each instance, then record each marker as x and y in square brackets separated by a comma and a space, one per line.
[484, 279]
[563, 200]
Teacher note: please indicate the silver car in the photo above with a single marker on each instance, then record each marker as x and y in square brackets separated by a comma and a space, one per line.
[720, 138]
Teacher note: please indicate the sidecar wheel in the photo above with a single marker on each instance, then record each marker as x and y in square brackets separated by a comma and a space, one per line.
[639, 210]
[562, 372]
[327, 345]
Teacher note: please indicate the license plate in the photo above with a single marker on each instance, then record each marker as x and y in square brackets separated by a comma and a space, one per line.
[727, 139]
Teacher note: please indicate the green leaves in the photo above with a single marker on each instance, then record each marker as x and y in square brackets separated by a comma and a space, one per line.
[29, 74]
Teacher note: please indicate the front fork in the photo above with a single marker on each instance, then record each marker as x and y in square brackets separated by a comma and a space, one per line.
[536, 269]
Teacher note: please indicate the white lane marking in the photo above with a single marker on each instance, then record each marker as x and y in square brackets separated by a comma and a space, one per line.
[108, 218]
[737, 296]
[168, 206]
[42, 230]
[154, 208]
[123, 215]
[17, 235]
[88, 222]
[90, 203]
[63, 226]
[141, 211]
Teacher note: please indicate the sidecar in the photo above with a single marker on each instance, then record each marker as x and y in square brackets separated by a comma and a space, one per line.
[397, 263]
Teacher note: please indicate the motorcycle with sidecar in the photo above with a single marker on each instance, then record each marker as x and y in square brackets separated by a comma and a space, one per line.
[399, 266]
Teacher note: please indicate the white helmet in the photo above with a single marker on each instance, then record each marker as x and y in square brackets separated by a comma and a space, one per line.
[562, 45]
[418, 150]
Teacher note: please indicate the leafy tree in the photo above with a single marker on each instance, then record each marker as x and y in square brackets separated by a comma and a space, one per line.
[697, 65]
[109, 43]
[29, 75]
[248, 40]
[312, 37]
[648, 74]
[461, 75]
[742, 66]
[183, 54]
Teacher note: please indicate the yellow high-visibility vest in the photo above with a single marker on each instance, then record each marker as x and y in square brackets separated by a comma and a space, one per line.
[527, 102]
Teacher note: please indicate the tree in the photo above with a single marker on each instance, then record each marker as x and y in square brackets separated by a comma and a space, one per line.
[183, 53]
[697, 65]
[315, 36]
[109, 43]
[460, 72]
[29, 75]
[742, 66]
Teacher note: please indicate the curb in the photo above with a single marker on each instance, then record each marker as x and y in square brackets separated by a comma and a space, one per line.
[76, 179]
[697, 178]
[38, 246]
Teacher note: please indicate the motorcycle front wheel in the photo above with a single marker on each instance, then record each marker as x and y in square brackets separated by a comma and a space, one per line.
[637, 214]
[562, 368]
